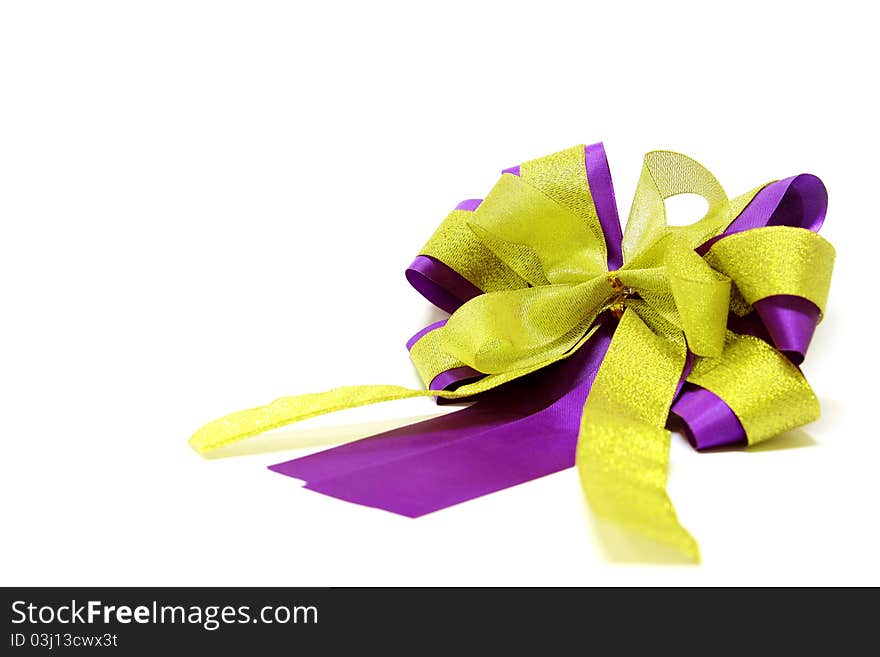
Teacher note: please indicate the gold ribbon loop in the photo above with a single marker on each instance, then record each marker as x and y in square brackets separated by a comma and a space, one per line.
[774, 260]
[456, 245]
[666, 174]
[502, 331]
[540, 239]
[767, 393]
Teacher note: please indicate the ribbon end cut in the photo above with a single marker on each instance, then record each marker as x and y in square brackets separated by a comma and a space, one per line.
[680, 540]
[661, 539]
[690, 549]
[199, 444]
[623, 543]
[210, 438]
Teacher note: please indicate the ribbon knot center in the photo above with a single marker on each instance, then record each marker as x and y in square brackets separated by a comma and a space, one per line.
[614, 281]
[621, 292]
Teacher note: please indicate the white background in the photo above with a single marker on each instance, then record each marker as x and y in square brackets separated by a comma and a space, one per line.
[206, 205]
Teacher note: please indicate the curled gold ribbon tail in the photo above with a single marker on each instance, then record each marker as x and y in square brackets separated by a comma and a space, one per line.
[623, 447]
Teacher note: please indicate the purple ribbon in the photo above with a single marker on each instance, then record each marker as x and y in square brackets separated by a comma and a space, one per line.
[528, 428]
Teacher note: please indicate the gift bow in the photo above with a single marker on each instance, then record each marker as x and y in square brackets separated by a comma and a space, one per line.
[531, 272]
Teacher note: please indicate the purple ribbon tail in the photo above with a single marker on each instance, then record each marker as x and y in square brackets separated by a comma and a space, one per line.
[521, 431]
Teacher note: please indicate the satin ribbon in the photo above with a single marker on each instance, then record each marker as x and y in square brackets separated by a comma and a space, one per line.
[577, 342]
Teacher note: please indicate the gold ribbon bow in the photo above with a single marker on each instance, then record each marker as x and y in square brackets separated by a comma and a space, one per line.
[536, 248]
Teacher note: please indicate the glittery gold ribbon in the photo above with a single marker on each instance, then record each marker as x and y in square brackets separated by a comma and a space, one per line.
[535, 247]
